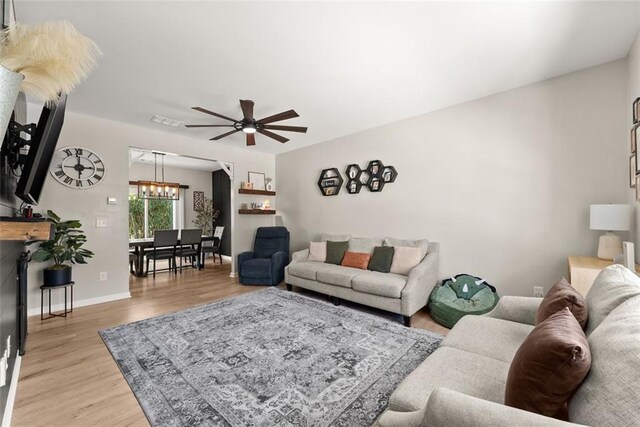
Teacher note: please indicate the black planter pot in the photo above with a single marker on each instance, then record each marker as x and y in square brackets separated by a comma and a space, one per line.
[57, 277]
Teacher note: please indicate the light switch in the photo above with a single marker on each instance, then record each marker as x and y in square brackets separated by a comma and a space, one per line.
[101, 222]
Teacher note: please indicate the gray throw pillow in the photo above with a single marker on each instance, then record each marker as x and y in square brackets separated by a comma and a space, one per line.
[335, 252]
[381, 259]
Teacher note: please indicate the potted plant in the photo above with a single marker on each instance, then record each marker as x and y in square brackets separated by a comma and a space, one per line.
[65, 247]
[206, 218]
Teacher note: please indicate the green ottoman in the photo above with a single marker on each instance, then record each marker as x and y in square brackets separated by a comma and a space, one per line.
[461, 295]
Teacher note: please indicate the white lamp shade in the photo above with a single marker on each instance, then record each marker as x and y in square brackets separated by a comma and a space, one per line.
[610, 217]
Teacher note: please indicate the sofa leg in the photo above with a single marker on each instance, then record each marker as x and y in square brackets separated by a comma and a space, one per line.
[335, 300]
[289, 287]
[407, 321]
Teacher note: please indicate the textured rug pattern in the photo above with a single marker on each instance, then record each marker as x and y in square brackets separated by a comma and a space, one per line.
[269, 358]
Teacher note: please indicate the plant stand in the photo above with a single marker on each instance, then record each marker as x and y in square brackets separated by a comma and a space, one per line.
[66, 299]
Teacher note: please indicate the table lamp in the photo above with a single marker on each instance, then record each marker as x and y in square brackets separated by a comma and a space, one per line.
[610, 218]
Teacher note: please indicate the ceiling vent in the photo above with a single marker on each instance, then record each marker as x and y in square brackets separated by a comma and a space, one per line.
[166, 121]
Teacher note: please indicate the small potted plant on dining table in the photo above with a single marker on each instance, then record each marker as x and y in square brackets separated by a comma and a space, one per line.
[64, 249]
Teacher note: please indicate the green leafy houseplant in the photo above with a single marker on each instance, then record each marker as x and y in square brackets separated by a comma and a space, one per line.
[65, 247]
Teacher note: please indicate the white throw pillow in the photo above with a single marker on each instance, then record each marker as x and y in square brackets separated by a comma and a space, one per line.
[423, 244]
[318, 251]
[405, 258]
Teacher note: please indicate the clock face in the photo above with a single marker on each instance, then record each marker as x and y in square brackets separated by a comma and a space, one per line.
[77, 167]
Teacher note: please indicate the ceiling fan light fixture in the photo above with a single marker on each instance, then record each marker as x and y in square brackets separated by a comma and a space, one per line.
[249, 128]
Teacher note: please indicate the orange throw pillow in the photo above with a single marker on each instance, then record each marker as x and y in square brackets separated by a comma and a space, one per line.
[356, 260]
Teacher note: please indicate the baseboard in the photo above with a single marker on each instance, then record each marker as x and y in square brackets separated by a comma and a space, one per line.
[35, 311]
[233, 274]
[11, 397]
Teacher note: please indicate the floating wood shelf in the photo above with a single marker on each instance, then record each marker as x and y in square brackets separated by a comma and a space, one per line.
[257, 192]
[26, 230]
[256, 212]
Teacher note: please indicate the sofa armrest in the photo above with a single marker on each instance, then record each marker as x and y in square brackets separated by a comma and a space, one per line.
[516, 309]
[420, 283]
[279, 261]
[449, 408]
[242, 257]
[300, 256]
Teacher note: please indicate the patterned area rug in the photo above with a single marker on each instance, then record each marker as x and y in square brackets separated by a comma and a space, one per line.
[269, 358]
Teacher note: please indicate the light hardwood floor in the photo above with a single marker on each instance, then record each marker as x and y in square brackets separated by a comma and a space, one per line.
[68, 377]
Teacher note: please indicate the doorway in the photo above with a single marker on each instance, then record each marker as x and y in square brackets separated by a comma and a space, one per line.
[195, 194]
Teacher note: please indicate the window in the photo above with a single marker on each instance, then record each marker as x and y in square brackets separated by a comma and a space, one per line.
[148, 215]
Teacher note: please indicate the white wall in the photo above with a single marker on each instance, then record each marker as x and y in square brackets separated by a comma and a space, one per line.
[633, 91]
[503, 182]
[197, 180]
[112, 141]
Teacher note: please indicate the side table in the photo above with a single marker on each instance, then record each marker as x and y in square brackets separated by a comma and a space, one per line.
[66, 311]
[583, 270]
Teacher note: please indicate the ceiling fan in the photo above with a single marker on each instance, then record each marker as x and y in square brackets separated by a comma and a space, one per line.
[250, 126]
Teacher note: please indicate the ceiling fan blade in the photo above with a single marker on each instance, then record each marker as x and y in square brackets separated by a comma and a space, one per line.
[287, 128]
[208, 126]
[277, 117]
[273, 135]
[215, 138]
[251, 139]
[247, 108]
[204, 110]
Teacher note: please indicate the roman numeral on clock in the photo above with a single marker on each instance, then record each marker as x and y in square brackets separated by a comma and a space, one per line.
[68, 180]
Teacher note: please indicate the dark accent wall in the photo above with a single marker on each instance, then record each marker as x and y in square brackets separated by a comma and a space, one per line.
[222, 200]
[9, 253]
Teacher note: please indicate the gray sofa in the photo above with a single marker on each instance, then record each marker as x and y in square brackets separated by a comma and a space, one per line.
[463, 382]
[396, 293]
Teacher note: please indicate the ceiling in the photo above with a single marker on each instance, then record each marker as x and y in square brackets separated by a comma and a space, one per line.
[171, 160]
[343, 66]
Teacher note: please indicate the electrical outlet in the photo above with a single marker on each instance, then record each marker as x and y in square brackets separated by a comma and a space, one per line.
[538, 291]
[103, 276]
[101, 222]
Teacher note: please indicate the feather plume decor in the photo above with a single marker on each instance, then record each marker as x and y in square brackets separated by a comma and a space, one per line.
[54, 57]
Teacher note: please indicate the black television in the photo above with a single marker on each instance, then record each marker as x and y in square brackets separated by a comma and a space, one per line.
[41, 150]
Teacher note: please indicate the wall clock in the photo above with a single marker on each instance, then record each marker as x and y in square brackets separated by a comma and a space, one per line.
[77, 167]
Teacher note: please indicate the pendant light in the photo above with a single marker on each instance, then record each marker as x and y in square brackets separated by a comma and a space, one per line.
[155, 189]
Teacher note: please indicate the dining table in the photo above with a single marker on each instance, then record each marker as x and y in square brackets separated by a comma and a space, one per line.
[140, 245]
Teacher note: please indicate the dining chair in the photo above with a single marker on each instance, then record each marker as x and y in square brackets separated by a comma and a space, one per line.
[164, 247]
[190, 241]
[213, 247]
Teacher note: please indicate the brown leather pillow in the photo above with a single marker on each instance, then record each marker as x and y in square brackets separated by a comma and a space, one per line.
[562, 295]
[549, 366]
[356, 260]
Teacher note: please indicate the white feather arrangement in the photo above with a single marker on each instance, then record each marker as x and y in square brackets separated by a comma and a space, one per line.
[54, 57]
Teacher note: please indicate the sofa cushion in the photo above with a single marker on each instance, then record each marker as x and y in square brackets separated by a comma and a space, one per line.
[613, 286]
[549, 366]
[405, 259]
[325, 237]
[423, 244]
[257, 268]
[562, 295]
[318, 251]
[307, 269]
[338, 275]
[473, 333]
[381, 259]
[364, 245]
[455, 369]
[609, 393]
[383, 284]
[335, 252]
[356, 260]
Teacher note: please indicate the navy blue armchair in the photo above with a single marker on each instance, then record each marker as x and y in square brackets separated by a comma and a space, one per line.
[265, 265]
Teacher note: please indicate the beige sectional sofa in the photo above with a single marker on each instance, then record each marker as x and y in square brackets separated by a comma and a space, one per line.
[396, 293]
[463, 382]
